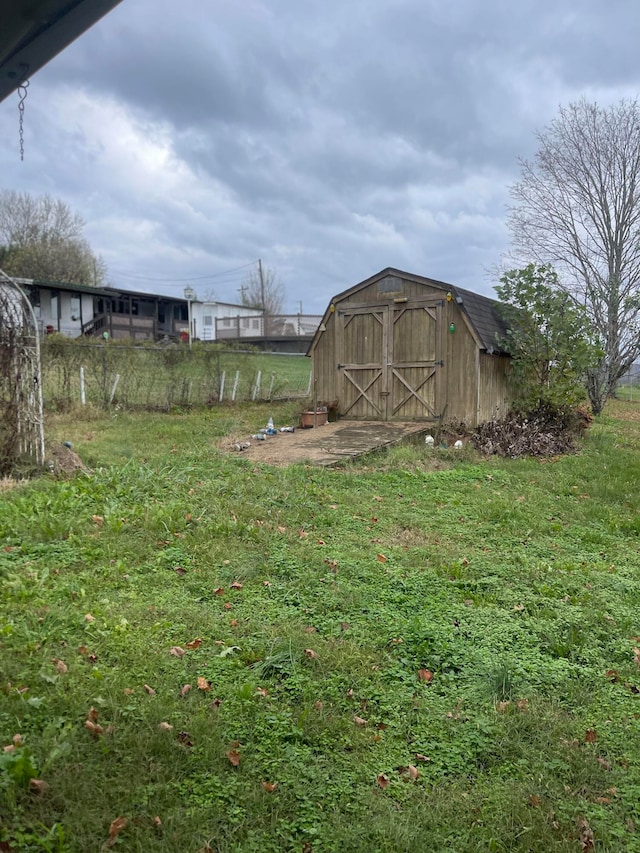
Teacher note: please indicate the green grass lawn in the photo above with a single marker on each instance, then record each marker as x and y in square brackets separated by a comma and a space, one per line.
[421, 651]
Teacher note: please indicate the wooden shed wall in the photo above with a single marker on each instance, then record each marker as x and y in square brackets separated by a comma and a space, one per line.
[494, 387]
[461, 365]
[325, 364]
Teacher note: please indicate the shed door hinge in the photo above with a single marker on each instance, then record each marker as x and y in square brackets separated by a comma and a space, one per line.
[440, 363]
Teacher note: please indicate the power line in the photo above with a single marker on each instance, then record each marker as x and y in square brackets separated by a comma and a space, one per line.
[178, 281]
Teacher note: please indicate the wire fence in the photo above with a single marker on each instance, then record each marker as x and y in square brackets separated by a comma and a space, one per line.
[164, 377]
[628, 387]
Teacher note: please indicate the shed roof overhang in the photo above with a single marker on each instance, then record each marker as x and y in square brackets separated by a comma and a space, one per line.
[32, 32]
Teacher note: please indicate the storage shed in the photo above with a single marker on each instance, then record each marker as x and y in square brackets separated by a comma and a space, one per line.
[399, 346]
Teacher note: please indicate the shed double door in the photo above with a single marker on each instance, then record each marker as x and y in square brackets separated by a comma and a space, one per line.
[391, 360]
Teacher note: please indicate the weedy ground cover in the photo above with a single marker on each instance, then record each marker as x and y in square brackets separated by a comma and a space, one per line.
[419, 651]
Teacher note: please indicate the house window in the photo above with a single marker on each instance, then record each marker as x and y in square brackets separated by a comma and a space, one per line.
[207, 320]
[245, 322]
[74, 304]
[226, 322]
[255, 324]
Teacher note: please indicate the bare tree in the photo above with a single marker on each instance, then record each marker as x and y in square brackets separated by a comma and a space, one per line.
[263, 289]
[577, 206]
[41, 238]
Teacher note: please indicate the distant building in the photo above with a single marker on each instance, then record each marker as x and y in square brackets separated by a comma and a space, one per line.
[77, 310]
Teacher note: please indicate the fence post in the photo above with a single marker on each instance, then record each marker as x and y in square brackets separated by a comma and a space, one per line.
[256, 387]
[309, 385]
[113, 389]
[273, 379]
[222, 378]
[235, 386]
[82, 394]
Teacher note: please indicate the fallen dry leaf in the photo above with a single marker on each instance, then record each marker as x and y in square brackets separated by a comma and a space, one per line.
[228, 605]
[194, 644]
[203, 684]
[269, 786]
[234, 757]
[115, 829]
[177, 652]
[93, 714]
[157, 822]
[587, 840]
[420, 757]
[60, 666]
[266, 583]
[381, 558]
[128, 691]
[311, 654]
[89, 618]
[636, 656]
[261, 692]
[383, 780]
[350, 693]
[302, 534]
[179, 570]
[425, 675]
[219, 590]
[38, 786]
[236, 585]
[413, 772]
[98, 520]
[149, 690]
[165, 727]
[17, 740]
[185, 689]
[535, 801]
[93, 728]
[604, 763]
[590, 736]
[359, 721]
[234, 623]
[310, 629]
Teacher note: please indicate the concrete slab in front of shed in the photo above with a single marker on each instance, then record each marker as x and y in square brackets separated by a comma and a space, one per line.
[336, 442]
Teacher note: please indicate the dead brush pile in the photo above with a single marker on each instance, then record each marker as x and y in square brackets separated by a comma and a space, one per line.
[545, 431]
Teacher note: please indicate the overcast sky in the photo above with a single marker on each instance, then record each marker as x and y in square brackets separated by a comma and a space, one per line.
[331, 138]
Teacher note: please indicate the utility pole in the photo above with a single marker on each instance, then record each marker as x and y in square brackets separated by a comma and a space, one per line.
[262, 305]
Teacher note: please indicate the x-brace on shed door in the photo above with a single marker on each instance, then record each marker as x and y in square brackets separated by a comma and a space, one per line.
[391, 360]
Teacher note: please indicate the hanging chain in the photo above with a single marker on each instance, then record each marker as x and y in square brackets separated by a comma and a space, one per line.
[22, 94]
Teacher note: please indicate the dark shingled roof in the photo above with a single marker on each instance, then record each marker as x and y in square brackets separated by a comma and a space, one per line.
[485, 318]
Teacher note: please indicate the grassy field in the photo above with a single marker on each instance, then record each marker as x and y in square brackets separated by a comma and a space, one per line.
[422, 651]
